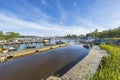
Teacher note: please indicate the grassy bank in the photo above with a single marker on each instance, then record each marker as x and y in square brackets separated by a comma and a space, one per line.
[109, 68]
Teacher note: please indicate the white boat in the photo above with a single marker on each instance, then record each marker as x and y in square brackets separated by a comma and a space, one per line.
[5, 51]
[59, 42]
[11, 48]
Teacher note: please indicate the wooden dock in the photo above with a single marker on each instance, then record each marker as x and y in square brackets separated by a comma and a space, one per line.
[17, 54]
[85, 68]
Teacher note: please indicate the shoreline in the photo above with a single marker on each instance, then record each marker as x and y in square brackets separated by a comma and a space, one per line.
[84, 68]
[26, 52]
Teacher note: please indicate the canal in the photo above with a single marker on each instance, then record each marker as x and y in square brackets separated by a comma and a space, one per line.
[44, 64]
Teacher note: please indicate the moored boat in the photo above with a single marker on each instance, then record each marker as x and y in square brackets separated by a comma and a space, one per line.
[86, 46]
[5, 51]
[60, 42]
[31, 47]
[11, 48]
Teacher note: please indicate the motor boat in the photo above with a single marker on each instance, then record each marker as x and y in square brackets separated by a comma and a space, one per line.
[31, 47]
[5, 51]
[60, 42]
[11, 48]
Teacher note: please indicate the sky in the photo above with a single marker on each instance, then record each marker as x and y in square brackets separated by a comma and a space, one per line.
[58, 17]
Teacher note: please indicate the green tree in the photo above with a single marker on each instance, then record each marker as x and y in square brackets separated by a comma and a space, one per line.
[111, 33]
[96, 33]
[12, 35]
[1, 35]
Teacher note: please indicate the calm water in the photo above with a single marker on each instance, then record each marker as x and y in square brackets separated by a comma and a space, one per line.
[44, 64]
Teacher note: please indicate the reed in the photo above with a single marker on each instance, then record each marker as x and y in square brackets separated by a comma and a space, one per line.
[109, 68]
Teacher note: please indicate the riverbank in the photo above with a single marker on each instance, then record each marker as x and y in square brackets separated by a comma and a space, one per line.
[109, 68]
[17, 54]
[85, 68]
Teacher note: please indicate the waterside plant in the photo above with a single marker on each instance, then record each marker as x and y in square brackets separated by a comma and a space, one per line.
[109, 68]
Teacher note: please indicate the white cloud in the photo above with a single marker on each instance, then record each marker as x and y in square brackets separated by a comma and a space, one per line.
[26, 10]
[99, 17]
[64, 14]
[14, 21]
[10, 23]
[105, 13]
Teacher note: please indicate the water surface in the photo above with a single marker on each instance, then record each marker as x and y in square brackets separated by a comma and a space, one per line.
[42, 65]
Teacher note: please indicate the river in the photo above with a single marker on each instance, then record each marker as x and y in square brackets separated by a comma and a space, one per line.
[42, 65]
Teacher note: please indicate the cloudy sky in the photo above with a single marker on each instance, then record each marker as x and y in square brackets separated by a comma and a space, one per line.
[58, 17]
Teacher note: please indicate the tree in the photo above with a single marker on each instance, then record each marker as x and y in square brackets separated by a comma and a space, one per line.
[1, 35]
[12, 35]
[1, 32]
[96, 33]
[111, 33]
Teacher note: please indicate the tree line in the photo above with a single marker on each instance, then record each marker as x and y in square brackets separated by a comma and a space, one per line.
[111, 33]
[73, 36]
[8, 35]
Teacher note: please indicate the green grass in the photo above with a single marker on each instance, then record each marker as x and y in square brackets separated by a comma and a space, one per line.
[109, 68]
[0, 52]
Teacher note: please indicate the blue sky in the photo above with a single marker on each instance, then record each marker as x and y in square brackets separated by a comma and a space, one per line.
[58, 17]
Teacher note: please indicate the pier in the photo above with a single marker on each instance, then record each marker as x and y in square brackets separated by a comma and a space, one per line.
[84, 68]
[21, 53]
[31, 51]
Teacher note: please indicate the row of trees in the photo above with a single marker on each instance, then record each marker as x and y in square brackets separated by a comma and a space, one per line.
[73, 36]
[111, 33]
[8, 35]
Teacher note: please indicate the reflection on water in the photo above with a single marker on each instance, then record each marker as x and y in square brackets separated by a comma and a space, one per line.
[38, 45]
[23, 46]
[42, 65]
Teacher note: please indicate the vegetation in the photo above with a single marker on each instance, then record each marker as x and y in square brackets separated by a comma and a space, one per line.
[109, 68]
[8, 35]
[114, 33]
[0, 52]
[1, 35]
[73, 36]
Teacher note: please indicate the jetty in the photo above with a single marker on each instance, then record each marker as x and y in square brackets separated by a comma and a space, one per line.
[84, 68]
[21, 53]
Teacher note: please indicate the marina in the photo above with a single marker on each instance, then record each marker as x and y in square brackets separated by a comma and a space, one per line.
[59, 39]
